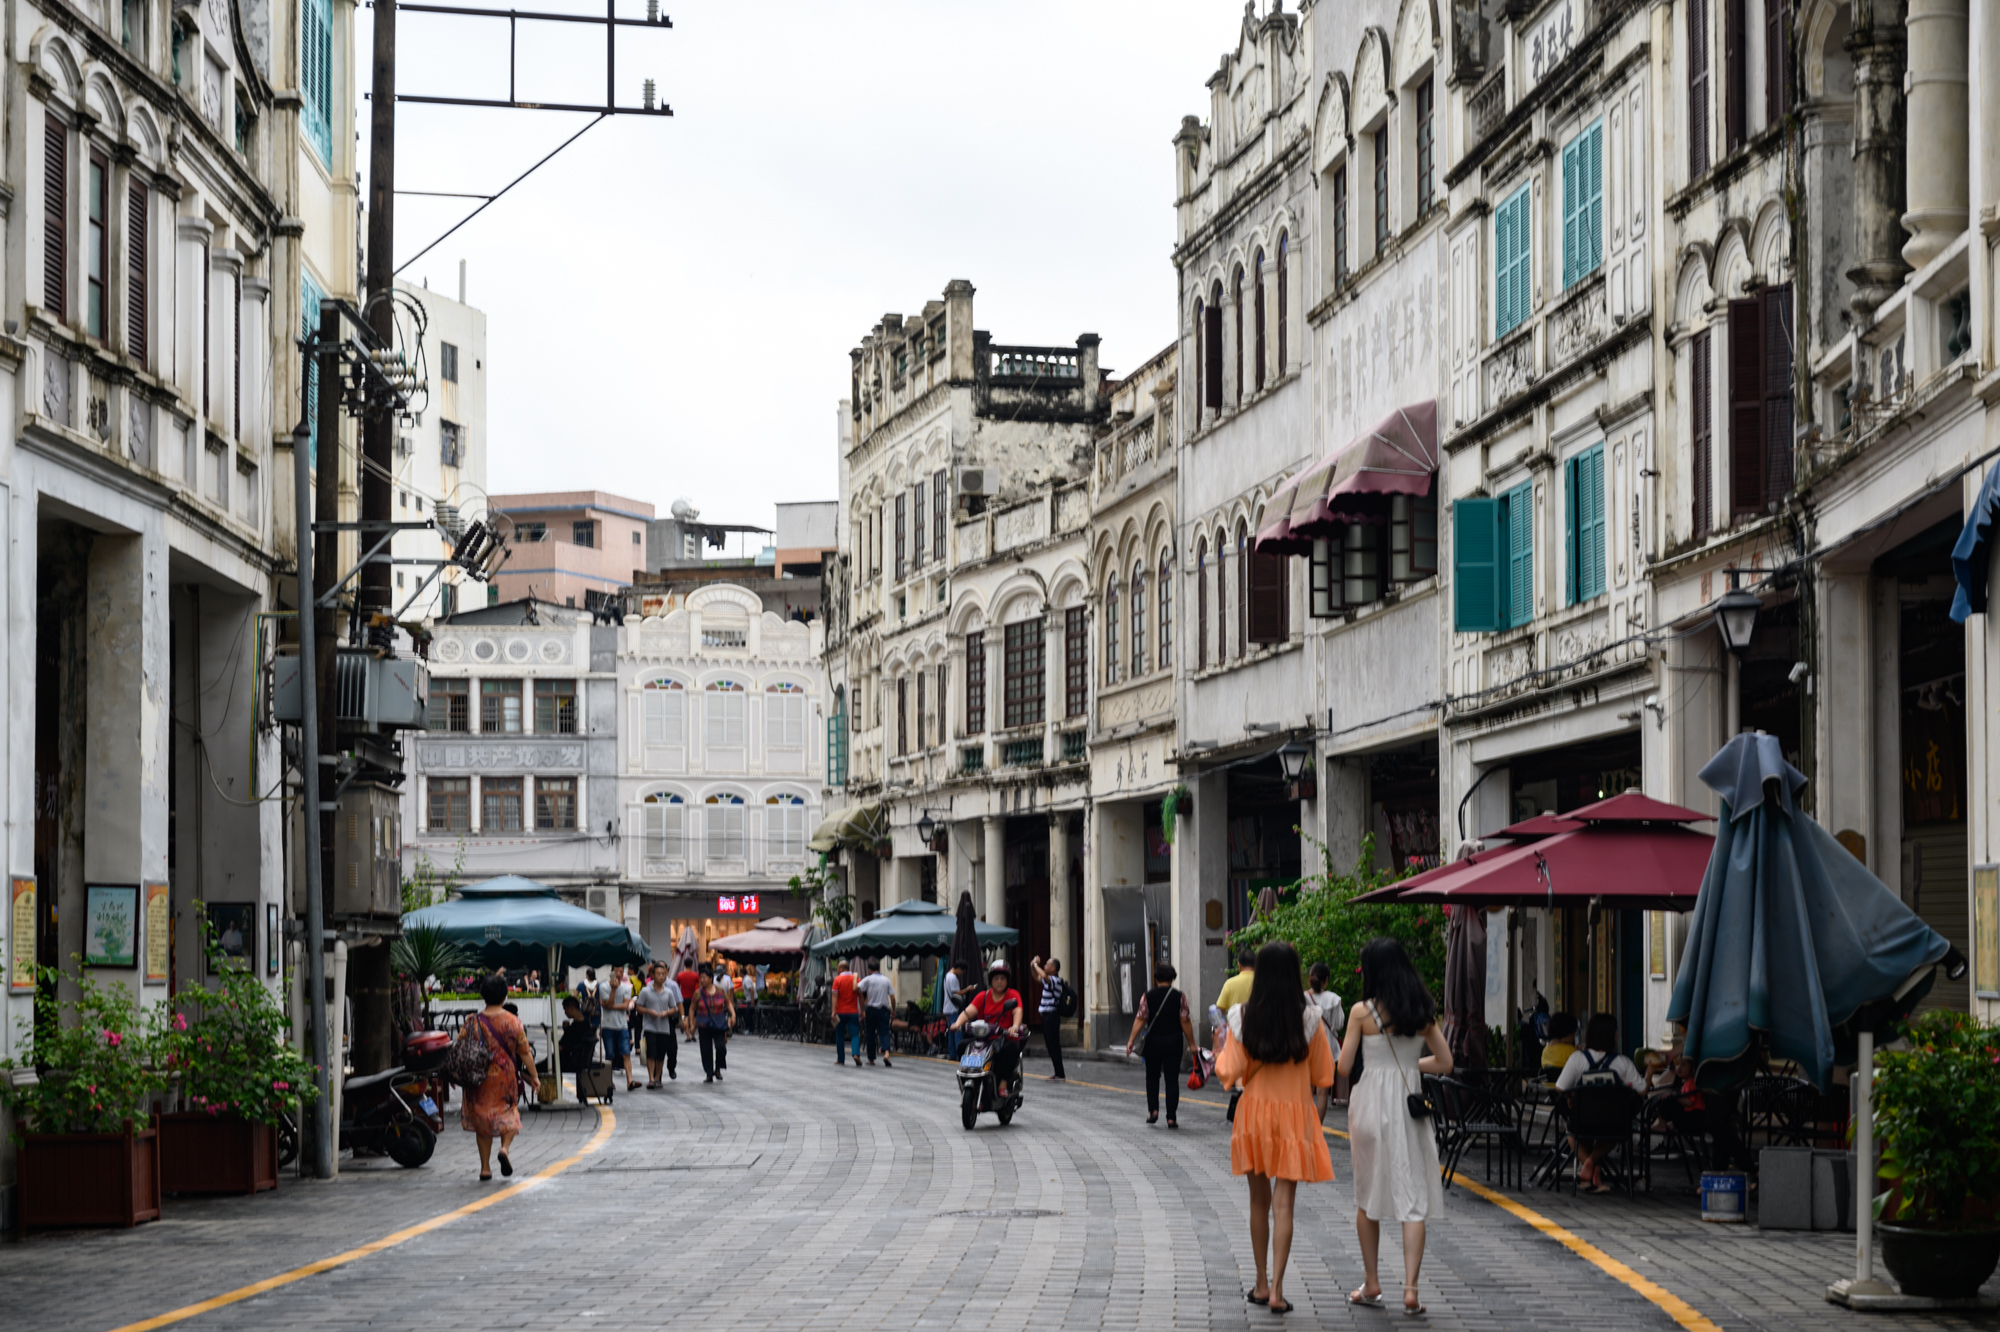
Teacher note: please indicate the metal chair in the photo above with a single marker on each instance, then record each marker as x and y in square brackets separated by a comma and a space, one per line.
[1468, 1115]
[1609, 1114]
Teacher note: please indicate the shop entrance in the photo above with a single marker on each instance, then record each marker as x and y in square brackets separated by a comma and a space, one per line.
[1263, 843]
[1027, 874]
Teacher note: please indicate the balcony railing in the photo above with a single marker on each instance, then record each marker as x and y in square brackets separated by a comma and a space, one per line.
[1075, 745]
[1487, 105]
[1021, 753]
[972, 758]
[1035, 363]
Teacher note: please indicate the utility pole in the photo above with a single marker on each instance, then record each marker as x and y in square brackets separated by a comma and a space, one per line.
[368, 968]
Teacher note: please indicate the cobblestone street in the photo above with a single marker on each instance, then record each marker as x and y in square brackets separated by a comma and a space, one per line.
[801, 1195]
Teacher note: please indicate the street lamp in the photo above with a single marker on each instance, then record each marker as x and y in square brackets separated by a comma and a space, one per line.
[1292, 758]
[1736, 618]
[926, 828]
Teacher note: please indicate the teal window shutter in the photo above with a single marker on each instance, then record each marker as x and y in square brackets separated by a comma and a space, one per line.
[1593, 181]
[309, 299]
[1570, 200]
[1583, 205]
[316, 74]
[1590, 523]
[1475, 570]
[1519, 518]
[1570, 527]
[1513, 251]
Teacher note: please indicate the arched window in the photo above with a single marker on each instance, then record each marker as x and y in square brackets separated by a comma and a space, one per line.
[785, 827]
[663, 712]
[725, 827]
[1221, 595]
[1165, 583]
[1138, 621]
[1200, 397]
[1242, 588]
[1111, 630]
[1284, 301]
[785, 716]
[1237, 293]
[665, 817]
[1257, 297]
[1201, 603]
[723, 715]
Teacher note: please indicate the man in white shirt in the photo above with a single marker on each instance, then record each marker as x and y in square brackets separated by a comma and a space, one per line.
[878, 1004]
[1595, 1066]
[659, 1013]
[614, 1000]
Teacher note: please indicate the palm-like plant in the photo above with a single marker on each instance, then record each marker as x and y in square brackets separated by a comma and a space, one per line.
[422, 952]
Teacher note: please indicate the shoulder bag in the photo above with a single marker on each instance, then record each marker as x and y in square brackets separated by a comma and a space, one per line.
[471, 1055]
[1418, 1102]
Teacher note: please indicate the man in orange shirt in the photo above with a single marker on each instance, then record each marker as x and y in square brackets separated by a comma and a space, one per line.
[846, 1017]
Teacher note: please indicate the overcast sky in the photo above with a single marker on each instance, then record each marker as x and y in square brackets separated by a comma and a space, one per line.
[670, 302]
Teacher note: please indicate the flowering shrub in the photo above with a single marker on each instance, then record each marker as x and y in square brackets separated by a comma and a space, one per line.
[229, 1046]
[1937, 1109]
[96, 1071]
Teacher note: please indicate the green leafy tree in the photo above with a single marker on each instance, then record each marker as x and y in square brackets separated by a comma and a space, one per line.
[1319, 917]
[230, 1045]
[1937, 1109]
[97, 1071]
[426, 885]
[832, 912]
[421, 953]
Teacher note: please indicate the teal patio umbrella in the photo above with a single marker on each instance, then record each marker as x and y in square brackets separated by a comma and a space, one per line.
[910, 929]
[514, 922]
[1792, 939]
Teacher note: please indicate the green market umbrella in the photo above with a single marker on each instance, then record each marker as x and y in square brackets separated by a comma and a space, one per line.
[514, 923]
[910, 929]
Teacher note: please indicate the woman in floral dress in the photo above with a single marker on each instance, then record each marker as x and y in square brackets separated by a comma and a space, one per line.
[493, 1109]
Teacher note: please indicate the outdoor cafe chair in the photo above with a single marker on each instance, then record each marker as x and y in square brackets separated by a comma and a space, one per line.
[1681, 1140]
[1780, 1108]
[1610, 1114]
[1469, 1115]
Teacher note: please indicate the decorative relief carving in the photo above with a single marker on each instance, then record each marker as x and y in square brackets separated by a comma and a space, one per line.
[139, 430]
[1017, 527]
[55, 388]
[518, 650]
[450, 649]
[1508, 371]
[1072, 510]
[1580, 325]
[485, 650]
[1575, 642]
[476, 756]
[972, 542]
[97, 408]
[1136, 704]
[1509, 665]
[1370, 83]
[554, 650]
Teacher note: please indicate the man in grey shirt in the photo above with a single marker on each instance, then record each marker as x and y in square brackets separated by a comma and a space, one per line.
[659, 1013]
[878, 1003]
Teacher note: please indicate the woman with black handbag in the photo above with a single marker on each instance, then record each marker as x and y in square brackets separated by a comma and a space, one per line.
[1388, 1116]
[1163, 1031]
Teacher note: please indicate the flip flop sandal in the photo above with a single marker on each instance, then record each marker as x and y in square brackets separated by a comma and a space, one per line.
[1365, 1301]
[1255, 1298]
[1284, 1308]
[1413, 1311]
[506, 1166]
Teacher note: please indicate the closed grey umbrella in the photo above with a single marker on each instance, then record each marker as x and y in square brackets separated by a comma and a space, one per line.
[1465, 986]
[965, 952]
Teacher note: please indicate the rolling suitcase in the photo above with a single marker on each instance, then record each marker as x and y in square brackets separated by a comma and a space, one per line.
[594, 1082]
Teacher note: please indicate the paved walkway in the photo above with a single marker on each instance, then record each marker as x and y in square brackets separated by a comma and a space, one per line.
[798, 1195]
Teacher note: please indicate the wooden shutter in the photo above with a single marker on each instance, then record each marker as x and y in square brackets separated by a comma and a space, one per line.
[938, 506]
[55, 218]
[1212, 352]
[1269, 621]
[1513, 246]
[1076, 662]
[1701, 412]
[1590, 533]
[1734, 75]
[1258, 297]
[917, 526]
[1572, 175]
[1475, 569]
[1200, 607]
[1698, 86]
[902, 534]
[1777, 60]
[902, 715]
[137, 311]
[1746, 408]
[1519, 603]
[1284, 302]
[1236, 304]
[1775, 320]
[1572, 531]
[975, 684]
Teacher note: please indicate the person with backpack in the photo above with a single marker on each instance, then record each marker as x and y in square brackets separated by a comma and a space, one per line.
[1163, 1030]
[1598, 1065]
[1058, 1003]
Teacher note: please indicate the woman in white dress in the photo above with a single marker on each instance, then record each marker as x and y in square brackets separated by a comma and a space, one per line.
[1394, 1156]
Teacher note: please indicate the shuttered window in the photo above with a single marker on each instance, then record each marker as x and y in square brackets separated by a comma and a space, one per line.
[1026, 674]
[902, 535]
[1113, 659]
[938, 509]
[1746, 409]
[1270, 621]
[1201, 605]
[922, 729]
[1426, 146]
[1583, 204]
[316, 74]
[1517, 514]
[1257, 297]
[1200, 380]
[1735, 74]
[1475, 572]
[1340, 224]
[1513, 255]
[1777, 60]
[723, 719]
[1322, 583]
[1242, 590]
[1699, 87]
[1076, 662]
[1236, 302]
[902, 716]
[55, 218]
[1212, 350]
[1583, 524]
[138, 307]
[1284, 304]
[1381, 189]
[917, 526]
[1166, 596]
[975, 684]
[1775, 320]
[1701, 413]
[1138, 622]
[725, 827]
[666, 817]
[97, 246]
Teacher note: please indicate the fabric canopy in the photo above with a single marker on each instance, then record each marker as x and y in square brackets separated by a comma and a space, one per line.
[862, 826]
[1398, 456]
[1792, 937]
[514, 925]
[774, 942]
[1973, 555]
[910, 929]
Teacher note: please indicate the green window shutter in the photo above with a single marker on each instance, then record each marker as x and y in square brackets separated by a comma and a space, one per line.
[1593, 184]
[1520, 573]
[1571, 527]
[1572, 198]
[309, 299]
[1590, 525]
[1583, 205]
[1475, 570]
[1512, 254]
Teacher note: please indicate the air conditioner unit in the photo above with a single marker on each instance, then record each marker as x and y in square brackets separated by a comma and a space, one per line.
[972, 481]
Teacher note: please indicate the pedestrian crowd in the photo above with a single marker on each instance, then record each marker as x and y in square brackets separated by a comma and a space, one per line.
[698, 1003]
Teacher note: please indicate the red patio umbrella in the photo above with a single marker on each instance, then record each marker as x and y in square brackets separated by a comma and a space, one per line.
[1528, 830]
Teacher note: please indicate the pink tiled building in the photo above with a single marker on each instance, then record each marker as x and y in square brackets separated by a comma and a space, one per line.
[563, 545]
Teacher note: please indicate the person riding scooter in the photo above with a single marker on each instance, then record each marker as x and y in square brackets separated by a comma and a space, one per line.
[999, 1006]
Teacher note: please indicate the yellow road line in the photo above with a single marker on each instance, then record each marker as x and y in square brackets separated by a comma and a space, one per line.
[606, 1122]
[1674, 1306]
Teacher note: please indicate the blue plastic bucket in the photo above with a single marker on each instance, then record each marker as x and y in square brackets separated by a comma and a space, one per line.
[1725, 1196]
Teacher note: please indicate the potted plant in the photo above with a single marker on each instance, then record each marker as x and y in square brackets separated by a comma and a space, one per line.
[89, 1155]
[237, 1075]
[1937, 1111]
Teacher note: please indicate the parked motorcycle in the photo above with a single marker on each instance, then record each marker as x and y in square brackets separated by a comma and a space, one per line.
[979, 1082]
[390, 1112]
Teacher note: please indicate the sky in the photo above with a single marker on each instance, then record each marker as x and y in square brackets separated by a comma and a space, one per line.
[670, 301]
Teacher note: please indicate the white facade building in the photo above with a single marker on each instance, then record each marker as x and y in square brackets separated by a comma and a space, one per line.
[441, 455]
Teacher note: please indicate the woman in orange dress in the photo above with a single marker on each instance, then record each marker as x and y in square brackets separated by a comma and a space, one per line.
[1278, 1053]
[493, 1109]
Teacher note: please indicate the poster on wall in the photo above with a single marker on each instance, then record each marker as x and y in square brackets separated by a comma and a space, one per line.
[159, 933]
[270, 938]
[22, 924]
[111, 925]
[232, 926]
[1986, 931]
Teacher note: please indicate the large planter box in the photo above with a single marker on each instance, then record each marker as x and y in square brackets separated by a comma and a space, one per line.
[216, 1154]
[90, 1179]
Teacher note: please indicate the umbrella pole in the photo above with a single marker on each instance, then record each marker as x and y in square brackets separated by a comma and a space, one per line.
[1863, 1288]
[555, 1045]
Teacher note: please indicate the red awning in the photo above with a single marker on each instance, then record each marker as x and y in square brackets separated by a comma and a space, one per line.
[1397, 457]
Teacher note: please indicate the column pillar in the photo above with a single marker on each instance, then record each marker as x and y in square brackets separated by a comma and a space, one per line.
[1090, 980]
[1937, 190]
[1877, 48]
[1059, 922]
[995, 909]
